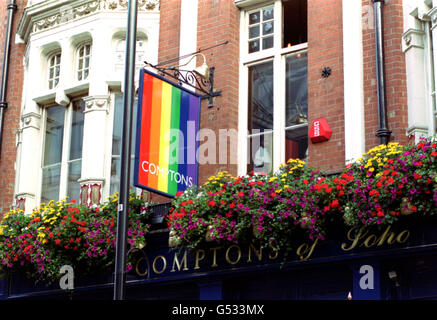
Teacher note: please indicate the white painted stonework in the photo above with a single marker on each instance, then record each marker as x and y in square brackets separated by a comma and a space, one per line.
[63, 25]
[419, 39]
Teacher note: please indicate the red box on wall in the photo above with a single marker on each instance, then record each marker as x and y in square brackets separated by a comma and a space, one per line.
[320, 131]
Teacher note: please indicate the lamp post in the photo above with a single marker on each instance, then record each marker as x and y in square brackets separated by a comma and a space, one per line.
[123, 202]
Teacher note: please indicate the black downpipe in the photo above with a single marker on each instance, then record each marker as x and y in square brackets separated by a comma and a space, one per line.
[12, 7]
[383, 133]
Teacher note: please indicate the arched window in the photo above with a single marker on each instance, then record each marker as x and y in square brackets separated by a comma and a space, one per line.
[54, 69]
[83, 61]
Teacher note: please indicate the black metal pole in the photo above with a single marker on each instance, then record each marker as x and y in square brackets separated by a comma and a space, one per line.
[123, 202]
[383, 133]
[3, 103]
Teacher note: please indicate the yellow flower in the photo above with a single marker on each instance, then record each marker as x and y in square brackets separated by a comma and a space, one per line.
[278, 190]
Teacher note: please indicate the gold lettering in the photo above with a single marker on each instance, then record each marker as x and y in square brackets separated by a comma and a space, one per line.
[179, 264]
[305, 249]
[198, 257]
[276, 251]
[259, 253]
[368, 242]
[354, 240]
[163, 267]
[137, 270]
[403, 236]
[383, 237]
[228, 260]
[214, 257]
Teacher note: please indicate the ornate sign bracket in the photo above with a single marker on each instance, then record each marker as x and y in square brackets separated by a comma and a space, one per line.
[191, 78]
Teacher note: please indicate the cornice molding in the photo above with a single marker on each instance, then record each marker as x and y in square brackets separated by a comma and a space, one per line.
[52, 13]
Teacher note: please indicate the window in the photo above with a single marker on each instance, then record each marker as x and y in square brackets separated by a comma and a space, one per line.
[120, 53]
[54, 69]
[117, 140]
[83, 61]
[62, 155]
[261, 29]
[274, 72]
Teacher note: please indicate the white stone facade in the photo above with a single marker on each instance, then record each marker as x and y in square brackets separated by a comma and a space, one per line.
[420, 48]
[52, 27]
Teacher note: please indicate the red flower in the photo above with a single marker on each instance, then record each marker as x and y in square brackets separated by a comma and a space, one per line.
[417, 176]
[433, 154]
[222, 202]
[73, 201]
[211, 203]
[183, 203]
[334, 203]
[179, 193]
[232, 205]
[241, 194]
[305, 181]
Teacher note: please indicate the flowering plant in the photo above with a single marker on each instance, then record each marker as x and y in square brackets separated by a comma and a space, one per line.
[65, 233]
[389, 181]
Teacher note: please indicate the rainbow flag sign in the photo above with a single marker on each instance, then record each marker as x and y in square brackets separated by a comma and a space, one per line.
[166, 146]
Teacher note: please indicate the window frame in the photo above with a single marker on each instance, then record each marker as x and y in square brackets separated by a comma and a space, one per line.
[52, 55]
[65, 156]
[278, 55]
[78, 58]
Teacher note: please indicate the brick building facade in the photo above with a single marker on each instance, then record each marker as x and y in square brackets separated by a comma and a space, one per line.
[333, 34]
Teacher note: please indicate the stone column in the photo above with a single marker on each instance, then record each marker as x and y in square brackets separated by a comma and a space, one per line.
[96, 118]
[414, 48]
[29, 162]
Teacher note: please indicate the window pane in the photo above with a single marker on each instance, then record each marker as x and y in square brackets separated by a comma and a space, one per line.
[295, 25]
[74, 173]
[296, 89]
[79, 75]
[254, 17]
[57, 70]
[87, 62]
[261, 96]
[254, 32]
[116, 141]
[54, 135]
[76, 142]
[268, 27]
[267, 14]
[81, 52]
[296, 143]
[50, 183]
[50, 84]
[260, 151]
[253, 46]
[88, 50]
[115, 174]
[268, 43]
[58, 59]
[85, 74]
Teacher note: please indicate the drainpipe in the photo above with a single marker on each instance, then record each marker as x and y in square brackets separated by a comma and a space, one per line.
[3, 104]
[383, 133]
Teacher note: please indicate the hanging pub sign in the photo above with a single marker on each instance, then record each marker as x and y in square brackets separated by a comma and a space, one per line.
[167, 125]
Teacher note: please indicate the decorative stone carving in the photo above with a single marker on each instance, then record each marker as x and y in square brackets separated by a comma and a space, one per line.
[70, 12]
[31, 120]
[97, 103]
[91, 192]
